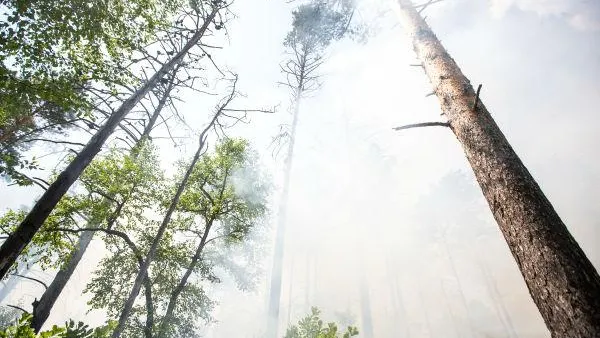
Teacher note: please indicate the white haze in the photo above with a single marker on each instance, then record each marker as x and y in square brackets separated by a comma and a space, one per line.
[365, 201]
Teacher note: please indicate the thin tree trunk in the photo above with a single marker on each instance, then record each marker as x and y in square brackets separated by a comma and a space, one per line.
[137, 284]
[277, 270]
[503, 316]
[16, 242]
[289, 316]
[562, 281]
[183, 282]
[41, 310]
[308, 286]
[365, 306]
[398, 300]
[450, 311]
[425, 310]
[461, 292]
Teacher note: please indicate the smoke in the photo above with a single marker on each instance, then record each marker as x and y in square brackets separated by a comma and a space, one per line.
[583, 14]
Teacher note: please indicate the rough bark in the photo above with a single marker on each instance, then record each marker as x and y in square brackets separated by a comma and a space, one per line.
[562, 281]
[34, 220]
[41, 311]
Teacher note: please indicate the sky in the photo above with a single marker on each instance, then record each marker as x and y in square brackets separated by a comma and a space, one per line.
[374, 205]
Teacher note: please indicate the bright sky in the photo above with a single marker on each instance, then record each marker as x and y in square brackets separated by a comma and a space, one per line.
[539, 63]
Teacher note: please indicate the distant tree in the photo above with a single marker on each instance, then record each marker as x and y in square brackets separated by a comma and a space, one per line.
[312, 326]
[562, 281]
[315, 25]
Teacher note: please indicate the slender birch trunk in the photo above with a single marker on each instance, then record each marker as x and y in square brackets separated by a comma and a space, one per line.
[18, 240]
[562, 281]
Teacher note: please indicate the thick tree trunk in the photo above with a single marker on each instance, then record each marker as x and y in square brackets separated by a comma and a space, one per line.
[42, 309]
[24, 233]
[563, 283]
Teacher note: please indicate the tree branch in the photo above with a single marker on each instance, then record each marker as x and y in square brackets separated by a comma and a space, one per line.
[477, 97]
[18, 308]
[423, 124]
[32, 279]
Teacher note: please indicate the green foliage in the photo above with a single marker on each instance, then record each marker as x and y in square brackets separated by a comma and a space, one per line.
[317, 23]
[21, 329]
[224, 198]
[312, 326]
[51, 50]
[111, 180]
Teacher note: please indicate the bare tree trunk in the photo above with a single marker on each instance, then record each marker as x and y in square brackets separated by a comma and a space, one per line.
[501, 312]
[400, 313]
[277, 270]
[365, 306]
[461, 292]
[289, 316]
[425, 310]
[41, 311]
[34, 220]
[563, 283]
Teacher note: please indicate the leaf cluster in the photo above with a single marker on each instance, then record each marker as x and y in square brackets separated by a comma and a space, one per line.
[22, 329]
[51, 51]
[312, 326]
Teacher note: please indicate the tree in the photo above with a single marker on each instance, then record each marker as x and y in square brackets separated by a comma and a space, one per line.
[228, 214]
[223, 202]
[51, 53]
[215, 123]
[140, 161]
[562, 281]
[312, 326]
[315, 25]
[17, 241]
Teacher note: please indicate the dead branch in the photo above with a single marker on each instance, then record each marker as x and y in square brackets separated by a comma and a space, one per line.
[477, 97]
[423, 124]
[32, 279]
[425, 5]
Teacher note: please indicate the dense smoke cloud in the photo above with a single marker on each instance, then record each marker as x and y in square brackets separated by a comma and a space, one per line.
[582, 14]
